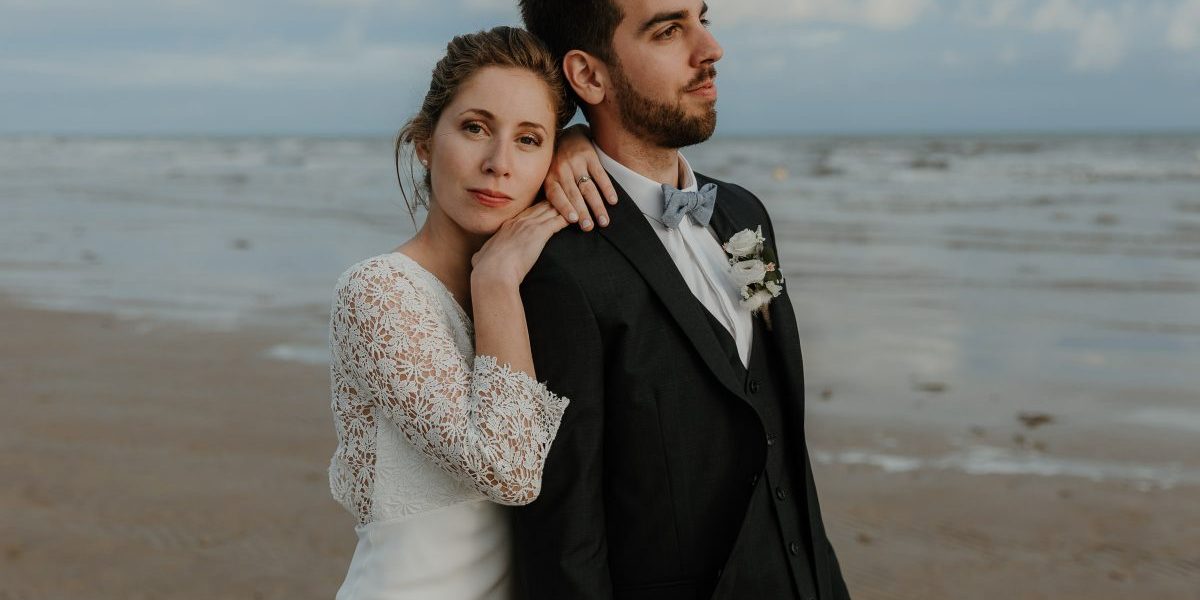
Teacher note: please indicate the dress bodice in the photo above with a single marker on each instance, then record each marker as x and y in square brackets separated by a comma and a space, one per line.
[422, 422]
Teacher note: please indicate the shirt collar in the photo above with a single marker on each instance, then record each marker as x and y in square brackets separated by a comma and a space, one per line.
[644, 192]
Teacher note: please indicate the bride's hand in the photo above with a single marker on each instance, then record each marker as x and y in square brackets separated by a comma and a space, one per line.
[576, 180]
[508, 255]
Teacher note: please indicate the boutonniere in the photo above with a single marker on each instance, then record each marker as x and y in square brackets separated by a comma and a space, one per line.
[752, 267]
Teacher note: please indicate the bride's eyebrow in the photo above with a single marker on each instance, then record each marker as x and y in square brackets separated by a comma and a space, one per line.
[491, 117]
[481, 112]
[532, 125]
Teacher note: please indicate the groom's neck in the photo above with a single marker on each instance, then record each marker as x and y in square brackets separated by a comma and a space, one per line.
[648, 160]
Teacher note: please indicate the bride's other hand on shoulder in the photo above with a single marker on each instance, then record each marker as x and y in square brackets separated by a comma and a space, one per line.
[577, 185]
[508, 255]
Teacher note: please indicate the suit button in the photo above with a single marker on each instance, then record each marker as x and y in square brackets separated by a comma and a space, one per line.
[753, 386]
[770, 440]
[779, 493]
[753, 480]
[794, 548]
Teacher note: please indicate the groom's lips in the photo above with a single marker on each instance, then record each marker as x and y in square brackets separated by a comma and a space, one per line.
[706, 90]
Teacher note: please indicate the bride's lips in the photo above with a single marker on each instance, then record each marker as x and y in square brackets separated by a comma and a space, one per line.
[490, 198]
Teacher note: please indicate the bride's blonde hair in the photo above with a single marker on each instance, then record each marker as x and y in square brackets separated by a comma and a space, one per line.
[465, 55]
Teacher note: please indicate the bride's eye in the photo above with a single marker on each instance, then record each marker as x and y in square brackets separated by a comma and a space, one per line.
[473, 127]
[530, 140]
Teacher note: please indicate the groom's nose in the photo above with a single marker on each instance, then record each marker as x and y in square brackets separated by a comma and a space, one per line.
[708, 50]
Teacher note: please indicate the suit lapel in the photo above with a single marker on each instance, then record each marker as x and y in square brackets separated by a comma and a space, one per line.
[634, 237]
[723, 223]
[726, 222]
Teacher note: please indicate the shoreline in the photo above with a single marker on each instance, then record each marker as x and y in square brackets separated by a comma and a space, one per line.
[165, 461]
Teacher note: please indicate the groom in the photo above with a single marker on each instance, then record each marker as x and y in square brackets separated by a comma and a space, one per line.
[680, 470]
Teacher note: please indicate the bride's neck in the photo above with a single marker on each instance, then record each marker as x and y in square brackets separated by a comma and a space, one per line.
[445, 249]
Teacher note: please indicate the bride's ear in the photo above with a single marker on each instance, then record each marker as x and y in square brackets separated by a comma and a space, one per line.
[587, 75]
[422, 150]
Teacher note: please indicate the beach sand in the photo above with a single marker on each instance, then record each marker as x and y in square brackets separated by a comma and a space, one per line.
[151, 460]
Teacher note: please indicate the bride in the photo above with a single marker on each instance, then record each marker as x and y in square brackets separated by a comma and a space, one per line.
[439, 416]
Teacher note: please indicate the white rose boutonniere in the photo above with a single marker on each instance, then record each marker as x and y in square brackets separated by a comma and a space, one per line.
[745, 243]
[753, 270]
[748, 272]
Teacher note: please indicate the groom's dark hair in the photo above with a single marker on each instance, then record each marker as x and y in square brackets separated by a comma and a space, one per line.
[566, 25]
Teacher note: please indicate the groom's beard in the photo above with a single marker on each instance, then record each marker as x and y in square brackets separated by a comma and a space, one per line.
[665, 125]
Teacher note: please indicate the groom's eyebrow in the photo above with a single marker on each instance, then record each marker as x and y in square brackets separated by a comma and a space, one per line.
[662, 17]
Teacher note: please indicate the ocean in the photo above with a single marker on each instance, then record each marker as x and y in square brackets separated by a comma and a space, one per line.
[936, 278]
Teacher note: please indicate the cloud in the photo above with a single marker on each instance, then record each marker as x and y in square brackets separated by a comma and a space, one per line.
[876, 14]
[992, 13]
[193, 44]
[1058, 14]
[1184, 32]
[1102, 35]
[1100, 40]
[953, 58]
[793, 38]
[258, 66]
[1009, 55]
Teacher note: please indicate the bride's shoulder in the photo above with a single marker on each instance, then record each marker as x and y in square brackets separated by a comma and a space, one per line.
[392, 270]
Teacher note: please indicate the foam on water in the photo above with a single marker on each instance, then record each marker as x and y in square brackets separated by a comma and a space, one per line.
[312, 355]
[990, 460]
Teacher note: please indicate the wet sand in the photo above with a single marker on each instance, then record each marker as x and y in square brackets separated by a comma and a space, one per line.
[150, 460]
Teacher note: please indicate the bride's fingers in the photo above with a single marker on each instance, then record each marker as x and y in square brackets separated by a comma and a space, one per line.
[558, 199]
[553, 224]
[552, 220]
[591, 194]
[600, 178]
[570, 185]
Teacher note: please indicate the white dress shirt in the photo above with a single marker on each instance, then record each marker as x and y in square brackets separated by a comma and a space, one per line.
[694, 249]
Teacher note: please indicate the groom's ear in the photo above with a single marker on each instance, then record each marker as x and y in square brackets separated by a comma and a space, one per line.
[587, 75]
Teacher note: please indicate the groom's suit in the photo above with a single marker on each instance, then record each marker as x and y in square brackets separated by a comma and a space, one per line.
[678, 472]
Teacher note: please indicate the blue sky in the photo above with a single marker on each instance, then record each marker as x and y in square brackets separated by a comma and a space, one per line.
[791, 66]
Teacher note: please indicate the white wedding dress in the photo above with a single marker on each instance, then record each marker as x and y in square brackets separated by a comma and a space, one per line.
[431, 438]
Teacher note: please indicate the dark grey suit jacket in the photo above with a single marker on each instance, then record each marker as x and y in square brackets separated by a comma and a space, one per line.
[645, 488]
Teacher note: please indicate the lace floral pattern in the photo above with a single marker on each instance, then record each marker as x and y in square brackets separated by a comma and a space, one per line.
[404, 377]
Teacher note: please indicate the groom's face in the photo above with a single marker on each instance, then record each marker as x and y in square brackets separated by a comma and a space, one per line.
[664, 78]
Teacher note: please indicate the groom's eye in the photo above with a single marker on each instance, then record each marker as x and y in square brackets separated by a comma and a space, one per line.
[668, 32]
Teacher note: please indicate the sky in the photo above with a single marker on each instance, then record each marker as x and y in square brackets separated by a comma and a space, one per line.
[360, 67]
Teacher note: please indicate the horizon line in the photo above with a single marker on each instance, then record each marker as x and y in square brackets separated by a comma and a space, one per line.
[947, 132]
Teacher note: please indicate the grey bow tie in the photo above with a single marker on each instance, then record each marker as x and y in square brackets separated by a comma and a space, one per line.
[697, 205]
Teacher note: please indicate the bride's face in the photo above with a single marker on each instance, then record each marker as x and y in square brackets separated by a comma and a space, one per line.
[491, 148]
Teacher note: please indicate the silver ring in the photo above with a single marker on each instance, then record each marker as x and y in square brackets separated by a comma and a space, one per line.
[583, 179]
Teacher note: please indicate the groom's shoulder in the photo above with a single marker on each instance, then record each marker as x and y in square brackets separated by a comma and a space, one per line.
[571, 252]
[730, 192]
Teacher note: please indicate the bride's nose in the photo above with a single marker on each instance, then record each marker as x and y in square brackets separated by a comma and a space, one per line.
[498, 161]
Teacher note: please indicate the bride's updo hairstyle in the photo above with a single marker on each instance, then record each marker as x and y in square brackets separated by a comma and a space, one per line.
[465, 55]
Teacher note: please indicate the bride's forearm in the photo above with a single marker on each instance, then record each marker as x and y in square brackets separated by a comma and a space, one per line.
[500, 328]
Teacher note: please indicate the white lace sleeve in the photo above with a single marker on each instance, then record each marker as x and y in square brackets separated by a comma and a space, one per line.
[486, 424]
